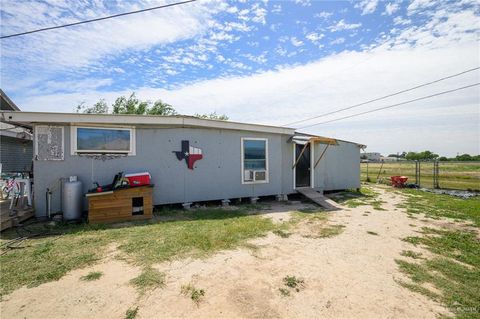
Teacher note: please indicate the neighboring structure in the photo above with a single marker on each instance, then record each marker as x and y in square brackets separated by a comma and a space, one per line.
[16, 146]
[371, 157]
[189, 159]
[390, 159]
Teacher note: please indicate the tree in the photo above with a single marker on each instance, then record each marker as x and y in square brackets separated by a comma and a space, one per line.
[100, 107]
[421, 156]
[212, 116]
[130, 105]
[443, 159]
[464, 157]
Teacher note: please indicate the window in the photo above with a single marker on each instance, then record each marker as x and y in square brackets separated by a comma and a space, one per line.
[103, 140]
[254, 160]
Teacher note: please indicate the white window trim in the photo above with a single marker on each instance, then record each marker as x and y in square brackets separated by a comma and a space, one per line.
[35, 145]
[266, 181]
[73, 140]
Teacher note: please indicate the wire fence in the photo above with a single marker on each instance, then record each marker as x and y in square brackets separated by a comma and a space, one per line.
[447, 175]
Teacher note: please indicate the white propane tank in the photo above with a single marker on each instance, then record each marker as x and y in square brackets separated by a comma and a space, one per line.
[72, 199]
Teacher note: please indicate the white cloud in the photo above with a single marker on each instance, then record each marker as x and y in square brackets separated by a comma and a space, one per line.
[296, 42]
[342, 25]
[401, 21]
[323, 15]
[259, 14]
[303, 3]
[277, 8]
[367, 6]
[314, 37]
[391, 8]
[338, 41]
[418, 5]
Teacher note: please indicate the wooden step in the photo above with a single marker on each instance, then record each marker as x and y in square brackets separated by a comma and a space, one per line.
[318, 198]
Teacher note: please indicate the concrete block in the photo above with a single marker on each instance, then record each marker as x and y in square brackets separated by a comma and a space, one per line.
[225, 202]
[253, 200]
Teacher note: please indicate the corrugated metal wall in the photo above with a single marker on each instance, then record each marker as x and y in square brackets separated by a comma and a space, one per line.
[15, 154]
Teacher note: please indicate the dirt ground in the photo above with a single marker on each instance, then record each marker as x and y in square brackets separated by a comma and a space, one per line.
[351, 275]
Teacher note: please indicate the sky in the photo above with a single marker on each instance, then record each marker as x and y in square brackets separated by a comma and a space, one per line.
[265, 62]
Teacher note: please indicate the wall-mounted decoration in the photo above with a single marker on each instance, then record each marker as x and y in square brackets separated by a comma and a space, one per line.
[189, 153]
[49, 143]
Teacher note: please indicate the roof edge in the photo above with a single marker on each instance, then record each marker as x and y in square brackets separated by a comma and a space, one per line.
[127, 119]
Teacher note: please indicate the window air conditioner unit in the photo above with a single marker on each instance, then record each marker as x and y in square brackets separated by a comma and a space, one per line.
[248, 175]
[260, 175]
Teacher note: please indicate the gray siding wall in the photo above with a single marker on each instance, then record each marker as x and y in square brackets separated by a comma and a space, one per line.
[216, 176]
[339, 168]
[15, 154]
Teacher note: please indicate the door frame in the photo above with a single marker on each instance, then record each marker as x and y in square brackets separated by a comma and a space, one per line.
[312, 162]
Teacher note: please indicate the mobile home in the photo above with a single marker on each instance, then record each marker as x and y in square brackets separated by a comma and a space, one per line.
[189, 159]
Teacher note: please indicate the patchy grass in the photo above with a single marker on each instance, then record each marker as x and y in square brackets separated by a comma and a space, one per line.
[454, 271]
[439, 205]
[284, 292]
[281, 233]
[149, 279]
[452, 275]
[196, 233]
[411, 254]
[316, 221]
[372, 233]
[291, 283]
[353, 198]
[330, 231]
[195, 294]
[131, 313]
[93, 275]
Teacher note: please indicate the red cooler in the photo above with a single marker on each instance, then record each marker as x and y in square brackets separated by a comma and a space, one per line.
[138, 179]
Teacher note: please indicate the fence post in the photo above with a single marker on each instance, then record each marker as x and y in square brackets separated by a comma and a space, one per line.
[435, 175]
[416, 174]
[368, 179]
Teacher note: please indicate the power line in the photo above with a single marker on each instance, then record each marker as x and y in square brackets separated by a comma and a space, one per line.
[384, 97]
[393, 105]
[96, 19]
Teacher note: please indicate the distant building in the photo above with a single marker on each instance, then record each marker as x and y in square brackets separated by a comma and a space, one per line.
[371, 157]
[390, 159]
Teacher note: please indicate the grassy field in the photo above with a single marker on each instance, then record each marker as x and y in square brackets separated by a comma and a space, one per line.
[453, 175]
[171, 234]
[453, 271]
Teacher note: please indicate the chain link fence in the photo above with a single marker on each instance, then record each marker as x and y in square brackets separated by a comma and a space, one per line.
[433, 174]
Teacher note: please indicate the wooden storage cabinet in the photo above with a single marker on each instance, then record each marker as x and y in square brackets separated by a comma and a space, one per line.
[120, 205]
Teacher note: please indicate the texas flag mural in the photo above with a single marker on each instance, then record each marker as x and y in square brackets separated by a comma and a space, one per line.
[189, 153]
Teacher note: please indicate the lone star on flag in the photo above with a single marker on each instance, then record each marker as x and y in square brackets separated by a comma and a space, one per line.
[189, 153]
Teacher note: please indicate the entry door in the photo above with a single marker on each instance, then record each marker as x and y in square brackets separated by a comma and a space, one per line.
[302, 170]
